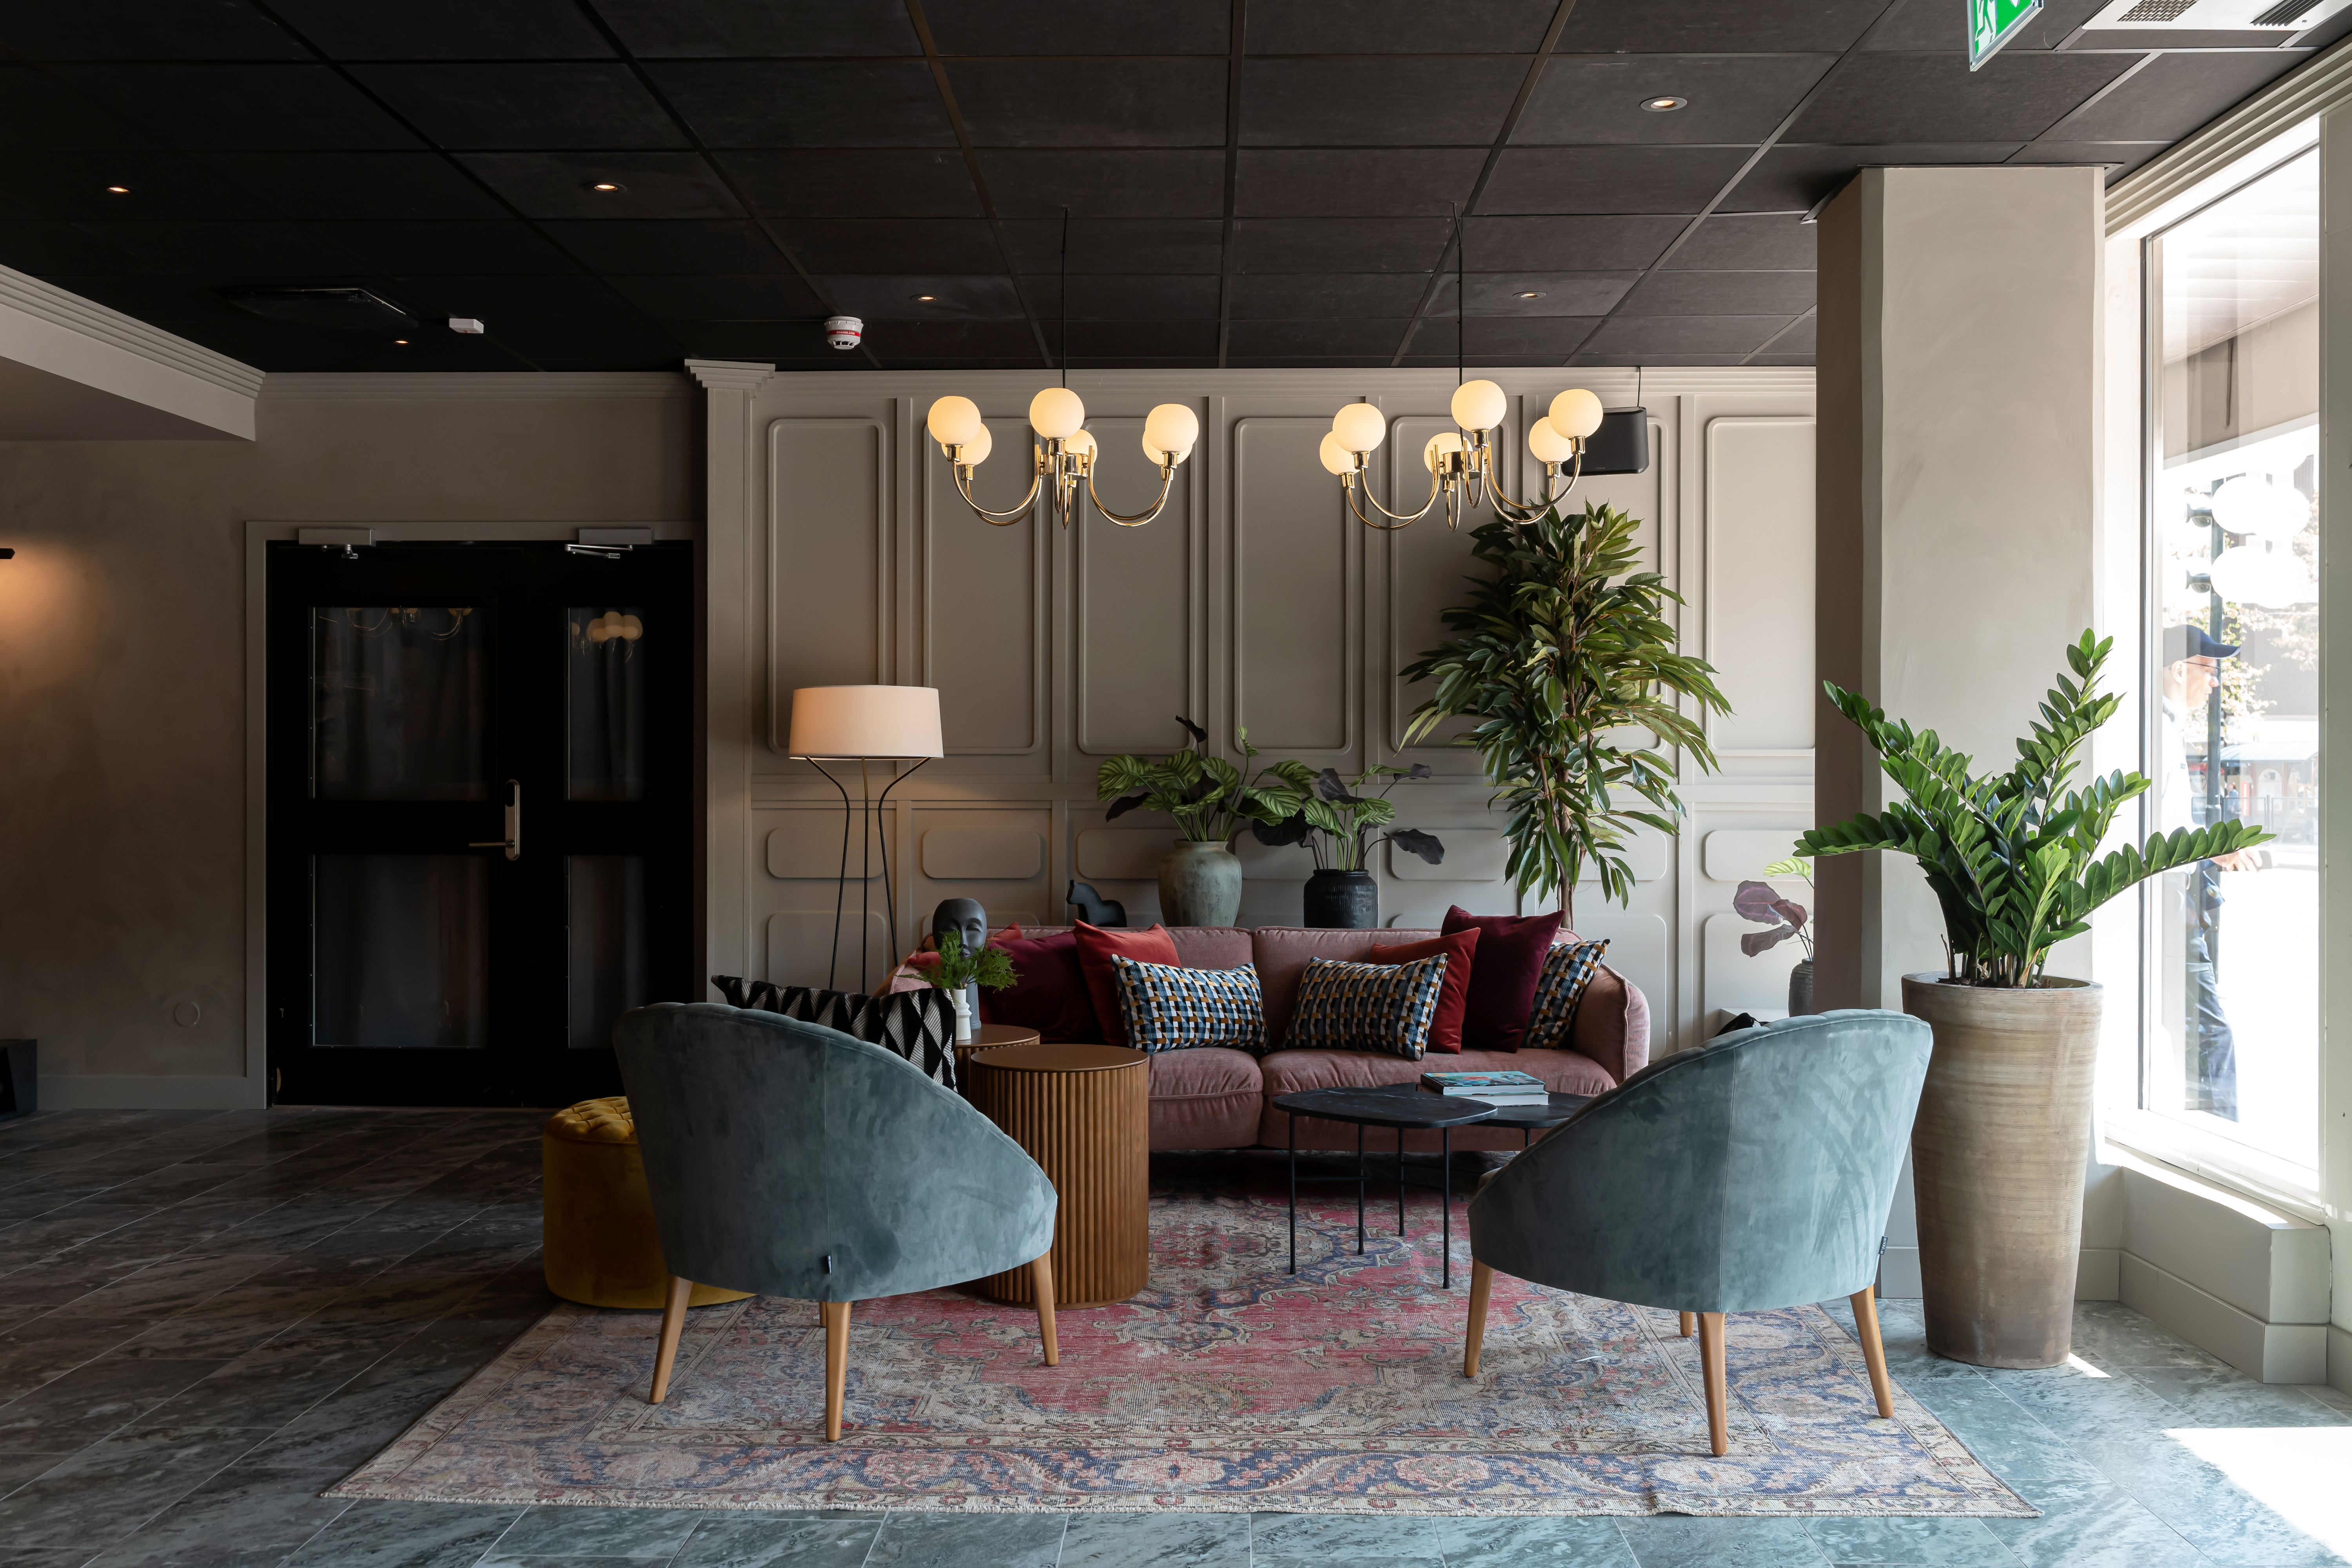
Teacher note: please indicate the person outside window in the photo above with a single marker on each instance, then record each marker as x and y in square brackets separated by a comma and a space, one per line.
[2191, 671]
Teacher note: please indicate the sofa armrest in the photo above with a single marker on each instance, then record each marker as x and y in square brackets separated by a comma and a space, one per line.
[1612, 1025]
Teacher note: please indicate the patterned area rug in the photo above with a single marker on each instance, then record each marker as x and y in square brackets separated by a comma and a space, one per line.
[1227, 1386]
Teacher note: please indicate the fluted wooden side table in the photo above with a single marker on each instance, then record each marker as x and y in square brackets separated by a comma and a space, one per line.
[1084, 1114]
[988, 1038]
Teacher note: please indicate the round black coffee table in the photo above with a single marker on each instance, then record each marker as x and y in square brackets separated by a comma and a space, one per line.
[1533, 1119]
[1406, 1107]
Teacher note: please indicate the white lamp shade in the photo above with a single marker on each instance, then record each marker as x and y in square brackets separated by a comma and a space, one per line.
[954, 421]
[1479, 406]
[1548, 444]
[871, 721]
[1056, 413]
[1576, 413]
[1080, 444]
[1359, 427]
[1442, 442]
[2247, 506]
[1172, 427]
[976, 450]
[1336, 456]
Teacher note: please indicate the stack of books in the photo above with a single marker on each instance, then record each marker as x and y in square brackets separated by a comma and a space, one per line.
[1494, 1088]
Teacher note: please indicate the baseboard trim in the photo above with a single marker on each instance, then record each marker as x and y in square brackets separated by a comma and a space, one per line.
[133, 1091]
[2098, 1276]
[2268, 1353]
[2095, 1275]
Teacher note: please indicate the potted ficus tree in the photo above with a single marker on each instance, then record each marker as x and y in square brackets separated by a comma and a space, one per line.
[2004, 1125]
[1340, 821]
[1210, 798]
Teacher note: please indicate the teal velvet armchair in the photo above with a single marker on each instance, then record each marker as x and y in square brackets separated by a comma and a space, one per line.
[788, 1159]
[1754, 1172]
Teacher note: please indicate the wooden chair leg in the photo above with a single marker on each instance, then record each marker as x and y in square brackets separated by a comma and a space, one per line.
[1041, 1280]
[1482, 1279]
[1710, 1360]
[836, 1363]
[1688, 1321]
[673, 1325]
[1865, 1319]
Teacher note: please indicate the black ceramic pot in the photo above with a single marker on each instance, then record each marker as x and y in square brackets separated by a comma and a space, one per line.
[1343, 901]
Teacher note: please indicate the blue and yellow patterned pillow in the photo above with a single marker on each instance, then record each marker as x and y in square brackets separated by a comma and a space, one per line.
[1167, 1008]
[1381, 1007]
[1567, 968]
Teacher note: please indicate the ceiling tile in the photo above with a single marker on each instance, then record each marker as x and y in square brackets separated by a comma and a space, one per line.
[1486, 339]
[160, 185]
[303, 108]
[1791, 177]
[2118, 158]
[1935, 98]
[254, 252]
[1336, 295]
[1555, 293]
[1799, 338]
[671, 247]
[1397, 26]
[1091, 103]
[359, 184]
[1352, 182]
[1689, 27]
[974, 297]
[1771, 241]
[617, 344]
[454, 247]
[711, 29]
[1112, 343]
[1427, 101]
[525, 105]
[1608, 179]
[144, 30]
[1126, 182]
[1079, 28]
[1095, 297]
[722, 297]
[1118, 245]
[1733, 98]
[49, 250]
[2172, 96]
[1723, 294]
[36, 110]
[893, 182]
[1339, 245]
[892, 245]
[1619, 359]
[1642, 335]
[794, 103]
[501, 300]
[1599, 243]
[788, 345]
[905, 340]
[1349, 338]
[563, 185]
[174, 298]
[1804, 359]
[447, 31]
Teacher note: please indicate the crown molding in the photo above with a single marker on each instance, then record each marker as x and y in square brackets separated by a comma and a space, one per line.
[2141, 199]
[730, 374]
[384, 385]
[48, 302]
[1615, 384]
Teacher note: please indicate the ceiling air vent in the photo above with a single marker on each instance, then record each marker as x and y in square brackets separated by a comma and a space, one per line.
[2149, 10]
[2285, 14]
[351, 310]
[2254, 18]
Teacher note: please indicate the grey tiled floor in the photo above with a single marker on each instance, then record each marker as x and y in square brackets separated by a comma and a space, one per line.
[207, 1318]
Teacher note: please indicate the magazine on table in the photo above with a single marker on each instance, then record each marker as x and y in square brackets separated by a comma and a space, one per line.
[1509, 1087]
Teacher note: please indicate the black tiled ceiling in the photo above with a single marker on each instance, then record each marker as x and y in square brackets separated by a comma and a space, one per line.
[1247, 181]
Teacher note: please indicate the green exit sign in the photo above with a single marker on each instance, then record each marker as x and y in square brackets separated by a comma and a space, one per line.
[1992, 23]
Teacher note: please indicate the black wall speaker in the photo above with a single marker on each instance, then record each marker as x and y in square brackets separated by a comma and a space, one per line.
[1621, 444]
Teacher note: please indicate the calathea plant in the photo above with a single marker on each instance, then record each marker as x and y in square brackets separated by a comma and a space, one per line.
[1208, 797]
[2013, 857]
[1340, 822]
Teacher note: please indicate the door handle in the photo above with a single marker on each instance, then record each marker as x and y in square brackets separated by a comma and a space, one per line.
[513, 842]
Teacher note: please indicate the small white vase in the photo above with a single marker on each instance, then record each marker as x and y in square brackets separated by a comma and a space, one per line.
[962, 1000]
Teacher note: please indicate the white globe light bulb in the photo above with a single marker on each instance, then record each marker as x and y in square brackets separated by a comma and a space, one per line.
[953, 421]
[1444, 441]
[1548, 444]
[1359, 427]
[976, 450]
[1336, 458]
[1055, 413]
[1079, 444]
[1479, 406]
[1172, 427]
[1576, 413]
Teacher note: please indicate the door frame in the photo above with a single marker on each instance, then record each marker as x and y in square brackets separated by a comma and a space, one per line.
[253, 1090]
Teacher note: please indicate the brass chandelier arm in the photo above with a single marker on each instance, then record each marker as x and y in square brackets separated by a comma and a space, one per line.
[1527, 511]
[1001, 518]
[1136, 519]
[1399, 519]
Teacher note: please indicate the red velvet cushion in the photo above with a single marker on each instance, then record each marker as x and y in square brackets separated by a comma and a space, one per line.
[1460, 949]
[1098, 947]
[1051, 994]
[1511, 950]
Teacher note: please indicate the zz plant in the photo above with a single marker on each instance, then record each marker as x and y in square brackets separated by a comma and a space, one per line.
[2013, 857]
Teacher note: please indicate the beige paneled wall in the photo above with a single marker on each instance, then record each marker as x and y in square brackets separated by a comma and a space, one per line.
[840, 552]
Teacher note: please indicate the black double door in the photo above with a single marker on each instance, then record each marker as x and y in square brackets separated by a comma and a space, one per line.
[480, 821]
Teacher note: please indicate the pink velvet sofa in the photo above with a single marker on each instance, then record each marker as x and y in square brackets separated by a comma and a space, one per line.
[1214, 1098]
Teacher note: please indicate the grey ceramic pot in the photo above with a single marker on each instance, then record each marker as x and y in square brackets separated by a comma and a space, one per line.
[1800, 989]
[1343, 901]
[1200, 885]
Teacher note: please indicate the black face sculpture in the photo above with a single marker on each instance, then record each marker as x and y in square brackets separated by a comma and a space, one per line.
[965, 917]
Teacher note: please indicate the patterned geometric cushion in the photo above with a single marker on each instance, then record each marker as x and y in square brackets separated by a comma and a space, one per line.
[1167, 1008]
[1567, 968]
[917, 1024]
[1367, 1006]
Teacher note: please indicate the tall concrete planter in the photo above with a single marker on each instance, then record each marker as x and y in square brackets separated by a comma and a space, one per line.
[1200, 885]
[1997, 1158]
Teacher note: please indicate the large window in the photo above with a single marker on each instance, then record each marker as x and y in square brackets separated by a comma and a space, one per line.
[2230, 1008]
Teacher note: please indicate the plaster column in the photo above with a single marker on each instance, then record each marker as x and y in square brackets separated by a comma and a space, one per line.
[2335, 746]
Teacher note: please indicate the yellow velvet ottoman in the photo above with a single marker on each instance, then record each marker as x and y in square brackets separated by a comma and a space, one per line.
[596, 1222]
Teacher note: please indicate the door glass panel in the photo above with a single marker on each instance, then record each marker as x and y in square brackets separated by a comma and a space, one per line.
[607, 683]
[399, 703]
[611, 941]
[400, 950]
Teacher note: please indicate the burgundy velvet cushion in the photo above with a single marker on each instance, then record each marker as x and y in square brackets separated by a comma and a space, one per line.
[1051, 996]
[1511, 950]
[1097, 947]
[1460, 951]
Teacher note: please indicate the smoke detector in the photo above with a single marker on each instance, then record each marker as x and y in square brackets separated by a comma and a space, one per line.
[844, 331]
[348, 309]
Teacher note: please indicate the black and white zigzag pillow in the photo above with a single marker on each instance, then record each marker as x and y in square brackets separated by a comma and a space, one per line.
[917, 1024]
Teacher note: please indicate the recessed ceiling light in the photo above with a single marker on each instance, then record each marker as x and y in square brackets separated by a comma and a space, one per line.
[607, 185]
[401, 341]
[1531, 294]
[1662, 104]
[120, 190]
[927, 296]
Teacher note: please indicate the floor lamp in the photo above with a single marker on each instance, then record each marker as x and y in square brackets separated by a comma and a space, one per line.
[864, 724]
